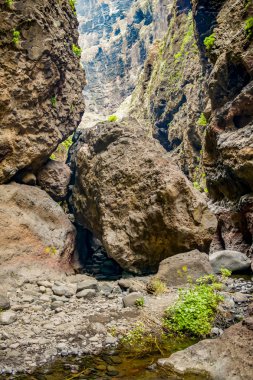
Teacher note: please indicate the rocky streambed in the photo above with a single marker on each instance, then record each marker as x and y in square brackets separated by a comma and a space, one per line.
[78, 316]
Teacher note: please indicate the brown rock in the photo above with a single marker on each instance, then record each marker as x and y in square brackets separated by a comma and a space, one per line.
[54, 178]
[132, 196]
[227, 357]
[176, 270]
[41, 82]
[34, 232]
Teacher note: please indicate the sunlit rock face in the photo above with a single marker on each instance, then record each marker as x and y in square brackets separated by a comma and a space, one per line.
[115, 36]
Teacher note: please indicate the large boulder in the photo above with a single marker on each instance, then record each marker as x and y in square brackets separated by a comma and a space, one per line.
[232, 260]
[134, 198]
[54, 178]
[35, 233]
[41, 82]
[227, 357]
[176, 270]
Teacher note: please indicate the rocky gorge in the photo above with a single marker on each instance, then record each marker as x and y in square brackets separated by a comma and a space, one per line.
[107, 228]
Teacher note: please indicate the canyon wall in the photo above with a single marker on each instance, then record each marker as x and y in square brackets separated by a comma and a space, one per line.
[195, 96]
[41, 82]
[115, 36]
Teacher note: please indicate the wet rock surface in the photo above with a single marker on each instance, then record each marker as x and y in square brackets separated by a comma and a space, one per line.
[229, 356]
[42, 326]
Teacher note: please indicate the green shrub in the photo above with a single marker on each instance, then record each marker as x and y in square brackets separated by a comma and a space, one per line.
[195, 310]
[72, 3]
[156, 286]
[139, 302]
[202, 121]
[15, 36]
[249, 27]
[61, 152]
[225, 273]
[9, 3]
[209, 42]
[53, 101]
[77, 50]
[112, 118]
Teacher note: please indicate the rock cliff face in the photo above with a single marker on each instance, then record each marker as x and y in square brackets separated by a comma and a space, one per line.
[133, 197]
[169, 95]
[196, 99]
[228, 143]
[41, 82]
[115, 36]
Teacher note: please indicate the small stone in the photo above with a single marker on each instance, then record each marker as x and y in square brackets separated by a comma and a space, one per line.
[28, 299]
[87, 293]
[63, 290]
[110, 340]
[216, 331]
[4, 302]
[7, 317]
[131, 299]
[46, 284]
[42, 289]
[87, 284]
[248, 322]
[56, 304]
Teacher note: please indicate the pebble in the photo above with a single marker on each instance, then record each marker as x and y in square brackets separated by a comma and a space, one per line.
[4, 302]
[87, 284]
[7, 317]
[87, 293]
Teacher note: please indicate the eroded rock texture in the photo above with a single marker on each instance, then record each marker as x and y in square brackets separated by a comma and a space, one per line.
[35, 233]
[228, 144]
[115, 36]
[227, 357]
[41, 82]
[132, 196]
[168, 98]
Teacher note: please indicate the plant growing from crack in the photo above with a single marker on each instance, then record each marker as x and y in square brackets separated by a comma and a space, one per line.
[77, 50]
[209, 42]
[15, 37]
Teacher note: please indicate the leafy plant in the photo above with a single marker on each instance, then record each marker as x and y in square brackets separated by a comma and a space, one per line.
[209, 42]
[225, 273]
[156, 286]
[72, 3]
[15, 36]
[53, 101]
[77, 50]
[9, 3]
[61, 152]
[195, 309]
[139, 302]
[52, 251]
[112, 118]
[249, 27]
[202, 121]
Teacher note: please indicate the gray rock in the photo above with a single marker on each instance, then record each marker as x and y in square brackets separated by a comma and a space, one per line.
[110, 340]
[63, 290]
[86, 293]
[232, 260]
[87, 284]
[7, 317]
[131, 298]
[176, 270]
[4, 302]
[56, 304]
